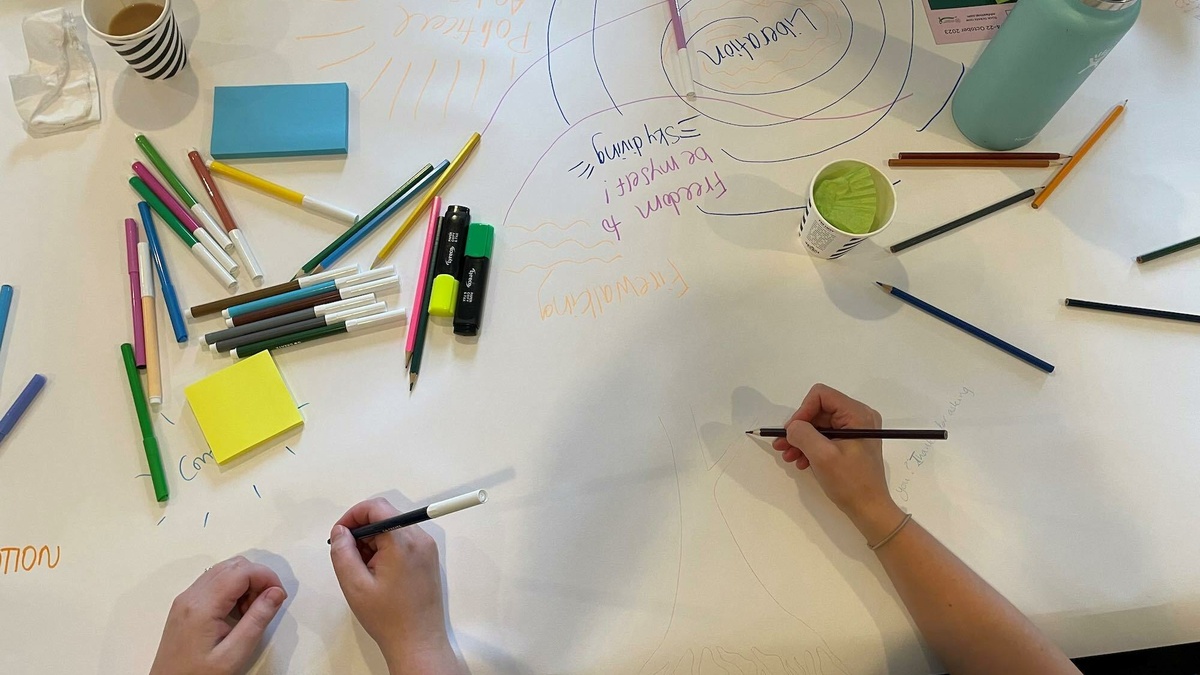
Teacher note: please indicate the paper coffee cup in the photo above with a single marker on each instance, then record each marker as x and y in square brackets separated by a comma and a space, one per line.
[156, 52]
[821, 238]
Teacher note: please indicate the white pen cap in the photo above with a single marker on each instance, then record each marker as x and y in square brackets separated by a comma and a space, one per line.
[336, 273]
[355, 313]
[458, 503]
[343, 305]
[364, 277]
[380, 285]
[144, 263]
[376, 320]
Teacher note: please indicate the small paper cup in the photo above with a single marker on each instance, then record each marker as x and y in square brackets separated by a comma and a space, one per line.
[821, 238]
[156, 52]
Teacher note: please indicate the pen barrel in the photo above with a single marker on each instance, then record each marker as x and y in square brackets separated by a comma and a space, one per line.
[217, 252]
[328, 210]
[289, 340]
[210, 263]
[157, 476]
[242, 246]
[458, 503]
[468, 313]
[210, 225]
[24, 400]
[139, 331]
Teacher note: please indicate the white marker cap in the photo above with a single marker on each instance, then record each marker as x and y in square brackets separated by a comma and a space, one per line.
[380, 285]
[210, 224]
[210, 263]
[218, 253]
[248, 258]
[355, 313]
[364, 277]
[328, 210]
[376, 320]
[336, 273]
[147, 278]
[343, 305]
[458, 503]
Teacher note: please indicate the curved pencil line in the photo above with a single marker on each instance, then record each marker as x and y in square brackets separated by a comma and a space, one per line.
[564, 262]
[420, 96]
[352, 56]
[754, 213]
[377, 78]
[403, 79]
[453, 84]
[531, 66]
[561, 227]
[596, 61]
[566, 241]
[325, 35]
[948, 97]
[482, 70]
[549, 69]
[679, 570]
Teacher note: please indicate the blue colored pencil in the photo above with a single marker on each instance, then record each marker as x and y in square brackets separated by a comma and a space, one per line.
[378, 220]
[170, 299]
[19, 407]
[6, 293]
[968, 328]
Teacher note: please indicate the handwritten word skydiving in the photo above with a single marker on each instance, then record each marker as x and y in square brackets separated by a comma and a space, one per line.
[665, 136]
[748, 45]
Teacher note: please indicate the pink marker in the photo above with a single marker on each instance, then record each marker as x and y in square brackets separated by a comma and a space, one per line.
[418, 306]
[185, 217]
[135, 291]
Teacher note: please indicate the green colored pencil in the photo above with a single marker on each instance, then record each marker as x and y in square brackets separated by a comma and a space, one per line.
[149, 442]
[363, 222]
[1168, 250]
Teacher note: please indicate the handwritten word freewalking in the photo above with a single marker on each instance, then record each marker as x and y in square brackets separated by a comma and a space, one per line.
[593, 300]
[16, 559]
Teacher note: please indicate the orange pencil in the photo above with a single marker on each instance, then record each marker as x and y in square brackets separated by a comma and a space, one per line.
[1083, 150]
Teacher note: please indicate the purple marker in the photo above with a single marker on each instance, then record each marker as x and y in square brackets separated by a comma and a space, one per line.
[135, 291]
[19, 407]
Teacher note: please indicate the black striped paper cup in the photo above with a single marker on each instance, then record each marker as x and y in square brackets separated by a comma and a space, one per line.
[824, 240]
[156, 52]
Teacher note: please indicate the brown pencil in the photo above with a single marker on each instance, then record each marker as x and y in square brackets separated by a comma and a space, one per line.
[969, 164]
[1001, 156]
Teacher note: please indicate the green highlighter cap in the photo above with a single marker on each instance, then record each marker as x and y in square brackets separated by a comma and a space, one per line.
[480, 238]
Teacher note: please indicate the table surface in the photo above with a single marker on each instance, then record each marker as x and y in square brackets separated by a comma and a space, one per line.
[632, 332]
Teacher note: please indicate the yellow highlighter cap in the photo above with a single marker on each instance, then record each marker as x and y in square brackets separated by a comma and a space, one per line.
[444, 295]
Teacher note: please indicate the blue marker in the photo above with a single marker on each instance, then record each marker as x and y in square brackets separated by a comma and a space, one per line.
[309, 291]
[20, 405]
[6, 293]
[164, 277]
[383, 215]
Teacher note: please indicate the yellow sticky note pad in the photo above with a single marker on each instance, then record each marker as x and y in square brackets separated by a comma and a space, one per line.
[243, 406]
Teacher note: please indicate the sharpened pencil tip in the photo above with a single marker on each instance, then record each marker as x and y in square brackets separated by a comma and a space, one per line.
[410, 386]
[884, 286]
[751, 432]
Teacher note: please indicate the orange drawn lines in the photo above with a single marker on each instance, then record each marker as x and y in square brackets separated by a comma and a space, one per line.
[377, 78]
[422, 94]
[561, 227]
[325, 35]
[565, 262]
[565, 241]
[454, 83]
[403, 79]
[482, 70]
[348, 58]
[512, 71]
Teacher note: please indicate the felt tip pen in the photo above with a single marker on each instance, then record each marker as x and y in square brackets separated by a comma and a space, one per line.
[149, 443]
[310, 204]
[350, 326]
[150, 326]
[170, 298]
[189, 221]
[240, 243]
[434, 510]
[185, 195]
[6, 296]
[476, 260]
[385, 285]
[198, 250]
[340, 282]
[216, 306]
[448, 263]
[135, 291]
[18, 408]
[290, 317]
[298, 327]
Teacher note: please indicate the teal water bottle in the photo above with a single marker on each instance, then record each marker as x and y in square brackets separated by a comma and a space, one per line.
[1036, 61]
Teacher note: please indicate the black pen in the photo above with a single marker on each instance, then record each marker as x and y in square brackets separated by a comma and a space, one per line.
[434, 510]
[847, 434]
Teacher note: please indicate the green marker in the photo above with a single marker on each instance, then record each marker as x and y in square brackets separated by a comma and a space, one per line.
[202, 254]
[149, 442]
[185, 195]
[362, 222]
[348, 326]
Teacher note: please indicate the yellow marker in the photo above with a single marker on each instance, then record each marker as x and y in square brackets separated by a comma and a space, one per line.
[434, 190]
[263, 185]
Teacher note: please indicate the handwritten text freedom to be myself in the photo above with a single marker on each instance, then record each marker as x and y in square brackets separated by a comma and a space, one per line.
[25, 558]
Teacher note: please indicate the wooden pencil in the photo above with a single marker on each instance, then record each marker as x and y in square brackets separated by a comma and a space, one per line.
[1135, 311]
[967, 219]
[969, 163]
[846, 434]
[1079, 154]
[1001, 156]
[1168, 250]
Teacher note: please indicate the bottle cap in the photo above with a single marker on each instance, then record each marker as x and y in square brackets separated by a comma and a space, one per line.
[443, 296]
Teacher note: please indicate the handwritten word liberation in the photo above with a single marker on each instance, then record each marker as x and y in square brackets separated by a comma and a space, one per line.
[463, 30]
[25, 558]
[684, 194]
[593, 300]
[919, 456]
[665, 136]
[746, 46]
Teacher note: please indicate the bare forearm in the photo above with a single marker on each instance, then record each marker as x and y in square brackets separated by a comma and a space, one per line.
[971, 627]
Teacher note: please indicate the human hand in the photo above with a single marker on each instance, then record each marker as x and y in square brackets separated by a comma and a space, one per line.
[850, 472]
[215, 625]
[393, 584]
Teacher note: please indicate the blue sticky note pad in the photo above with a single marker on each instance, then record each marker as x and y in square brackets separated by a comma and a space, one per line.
[280, 120]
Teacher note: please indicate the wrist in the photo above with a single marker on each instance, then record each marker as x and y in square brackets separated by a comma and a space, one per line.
[427, 658]
[876, 519]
